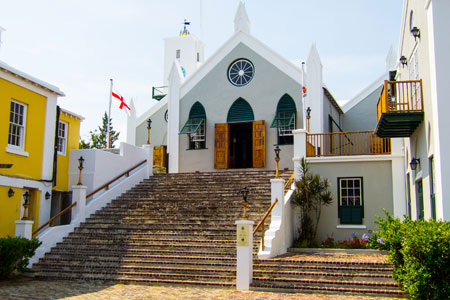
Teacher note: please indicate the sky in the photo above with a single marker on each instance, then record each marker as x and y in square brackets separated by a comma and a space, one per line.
[78, 45]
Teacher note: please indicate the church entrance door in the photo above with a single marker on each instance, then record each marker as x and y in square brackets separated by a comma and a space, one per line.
[239, 145]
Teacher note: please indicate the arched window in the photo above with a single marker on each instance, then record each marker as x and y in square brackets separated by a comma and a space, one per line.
[240, 111]
[285, 120]
[195, 127]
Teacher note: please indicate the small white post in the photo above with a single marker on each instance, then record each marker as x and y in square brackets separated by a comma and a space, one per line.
[299, 150]
[24, 228]
[79, 196]
[149, 149]
[244, 261]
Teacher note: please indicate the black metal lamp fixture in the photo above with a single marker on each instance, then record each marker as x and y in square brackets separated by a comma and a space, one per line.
[47, 195]
[415, 32]
[277, 160]
[10, 193]
[80, 167]
[414, 162]
[308, 112]
[149, 126]
[404, 61]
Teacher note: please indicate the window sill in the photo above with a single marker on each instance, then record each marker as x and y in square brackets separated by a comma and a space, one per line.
[16, 151]
[351, 226]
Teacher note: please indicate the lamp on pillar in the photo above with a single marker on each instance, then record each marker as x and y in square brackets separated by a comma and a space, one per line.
[308, 116]
[26, 204]
[244, 193]
[277, 160]
[80, 167]
[149, 126]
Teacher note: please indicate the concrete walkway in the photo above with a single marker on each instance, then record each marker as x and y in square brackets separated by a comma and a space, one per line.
[31, 289]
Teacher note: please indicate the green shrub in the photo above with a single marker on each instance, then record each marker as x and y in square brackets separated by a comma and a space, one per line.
[15, 254]
[420, 253]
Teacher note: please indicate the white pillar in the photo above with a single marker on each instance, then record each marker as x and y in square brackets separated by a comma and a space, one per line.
[24, 228]
[149, 149]
[299, 150]
[79, 196]
[244, 261]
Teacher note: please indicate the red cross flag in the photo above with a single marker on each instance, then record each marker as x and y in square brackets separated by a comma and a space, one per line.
[121, 102]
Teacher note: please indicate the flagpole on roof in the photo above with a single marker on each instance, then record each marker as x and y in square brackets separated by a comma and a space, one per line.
[304, 95]
[108, 145]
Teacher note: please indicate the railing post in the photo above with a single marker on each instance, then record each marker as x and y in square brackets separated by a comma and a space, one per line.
[149, 149]
[79, 196]
[24, 228]
[299, 150]
[244, 254]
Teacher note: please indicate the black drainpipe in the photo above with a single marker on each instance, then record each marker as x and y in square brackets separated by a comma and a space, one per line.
[55, 150]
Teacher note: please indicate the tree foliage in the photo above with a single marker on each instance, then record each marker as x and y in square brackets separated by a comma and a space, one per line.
[15, 253]
[98, 138]
[311, 193]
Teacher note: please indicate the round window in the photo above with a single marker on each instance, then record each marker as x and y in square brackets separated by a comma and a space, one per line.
[241, 72]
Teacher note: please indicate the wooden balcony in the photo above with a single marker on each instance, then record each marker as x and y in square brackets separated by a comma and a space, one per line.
[400, 108]
[346, 143]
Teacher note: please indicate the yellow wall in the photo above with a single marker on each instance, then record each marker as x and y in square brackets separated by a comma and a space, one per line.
[31, 166]
[73, 136]
[10, 209]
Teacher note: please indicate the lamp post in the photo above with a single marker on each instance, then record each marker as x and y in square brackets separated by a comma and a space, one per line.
[308, 116]
[80, 167]
[149, 126]
[10, 192]
[277, 159]
[244, 193]
[26, 204]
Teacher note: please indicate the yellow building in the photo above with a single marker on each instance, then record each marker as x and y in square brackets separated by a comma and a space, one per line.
[28, 133]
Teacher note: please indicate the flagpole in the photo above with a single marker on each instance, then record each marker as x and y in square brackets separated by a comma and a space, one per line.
[109, 116]
[303, 95]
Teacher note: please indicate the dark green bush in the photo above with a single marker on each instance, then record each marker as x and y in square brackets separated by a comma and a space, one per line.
[420, 253]
[15, 254]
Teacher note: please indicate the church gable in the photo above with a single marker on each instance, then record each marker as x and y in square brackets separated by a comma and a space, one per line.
[217, 92]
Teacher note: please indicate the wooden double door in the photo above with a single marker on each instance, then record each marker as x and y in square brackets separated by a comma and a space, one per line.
[240, 145]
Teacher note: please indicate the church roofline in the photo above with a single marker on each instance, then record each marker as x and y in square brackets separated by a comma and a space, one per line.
[259, 47]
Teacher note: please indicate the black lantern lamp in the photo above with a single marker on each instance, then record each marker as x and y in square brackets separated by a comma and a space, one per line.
[80, 167]
[308, 116]
[26, 204]
[277, 160]
[244, 193]
[149, 126]
[47, 195]
[414, 162]
[403, 61]
[10, 193]
[415, 32]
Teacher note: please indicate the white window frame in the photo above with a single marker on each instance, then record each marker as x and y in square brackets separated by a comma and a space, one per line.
[286, 131]
[350, 199]
[199, 136]
[22, 127]
[62, 139]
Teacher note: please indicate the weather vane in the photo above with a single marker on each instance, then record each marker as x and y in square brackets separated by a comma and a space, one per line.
[185, 31]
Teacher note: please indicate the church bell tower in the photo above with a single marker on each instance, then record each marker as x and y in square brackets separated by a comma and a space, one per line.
[187, 49]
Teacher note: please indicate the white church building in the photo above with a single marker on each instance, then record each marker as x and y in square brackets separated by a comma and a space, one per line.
[228, 112]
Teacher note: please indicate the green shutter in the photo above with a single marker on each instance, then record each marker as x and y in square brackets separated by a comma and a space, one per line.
[287, 105]
[240, 111]
[197, 111]
[197, 116]
[351, 214]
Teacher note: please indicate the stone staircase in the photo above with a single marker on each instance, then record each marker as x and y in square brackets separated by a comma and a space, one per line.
[179, 228]
[176, 228]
